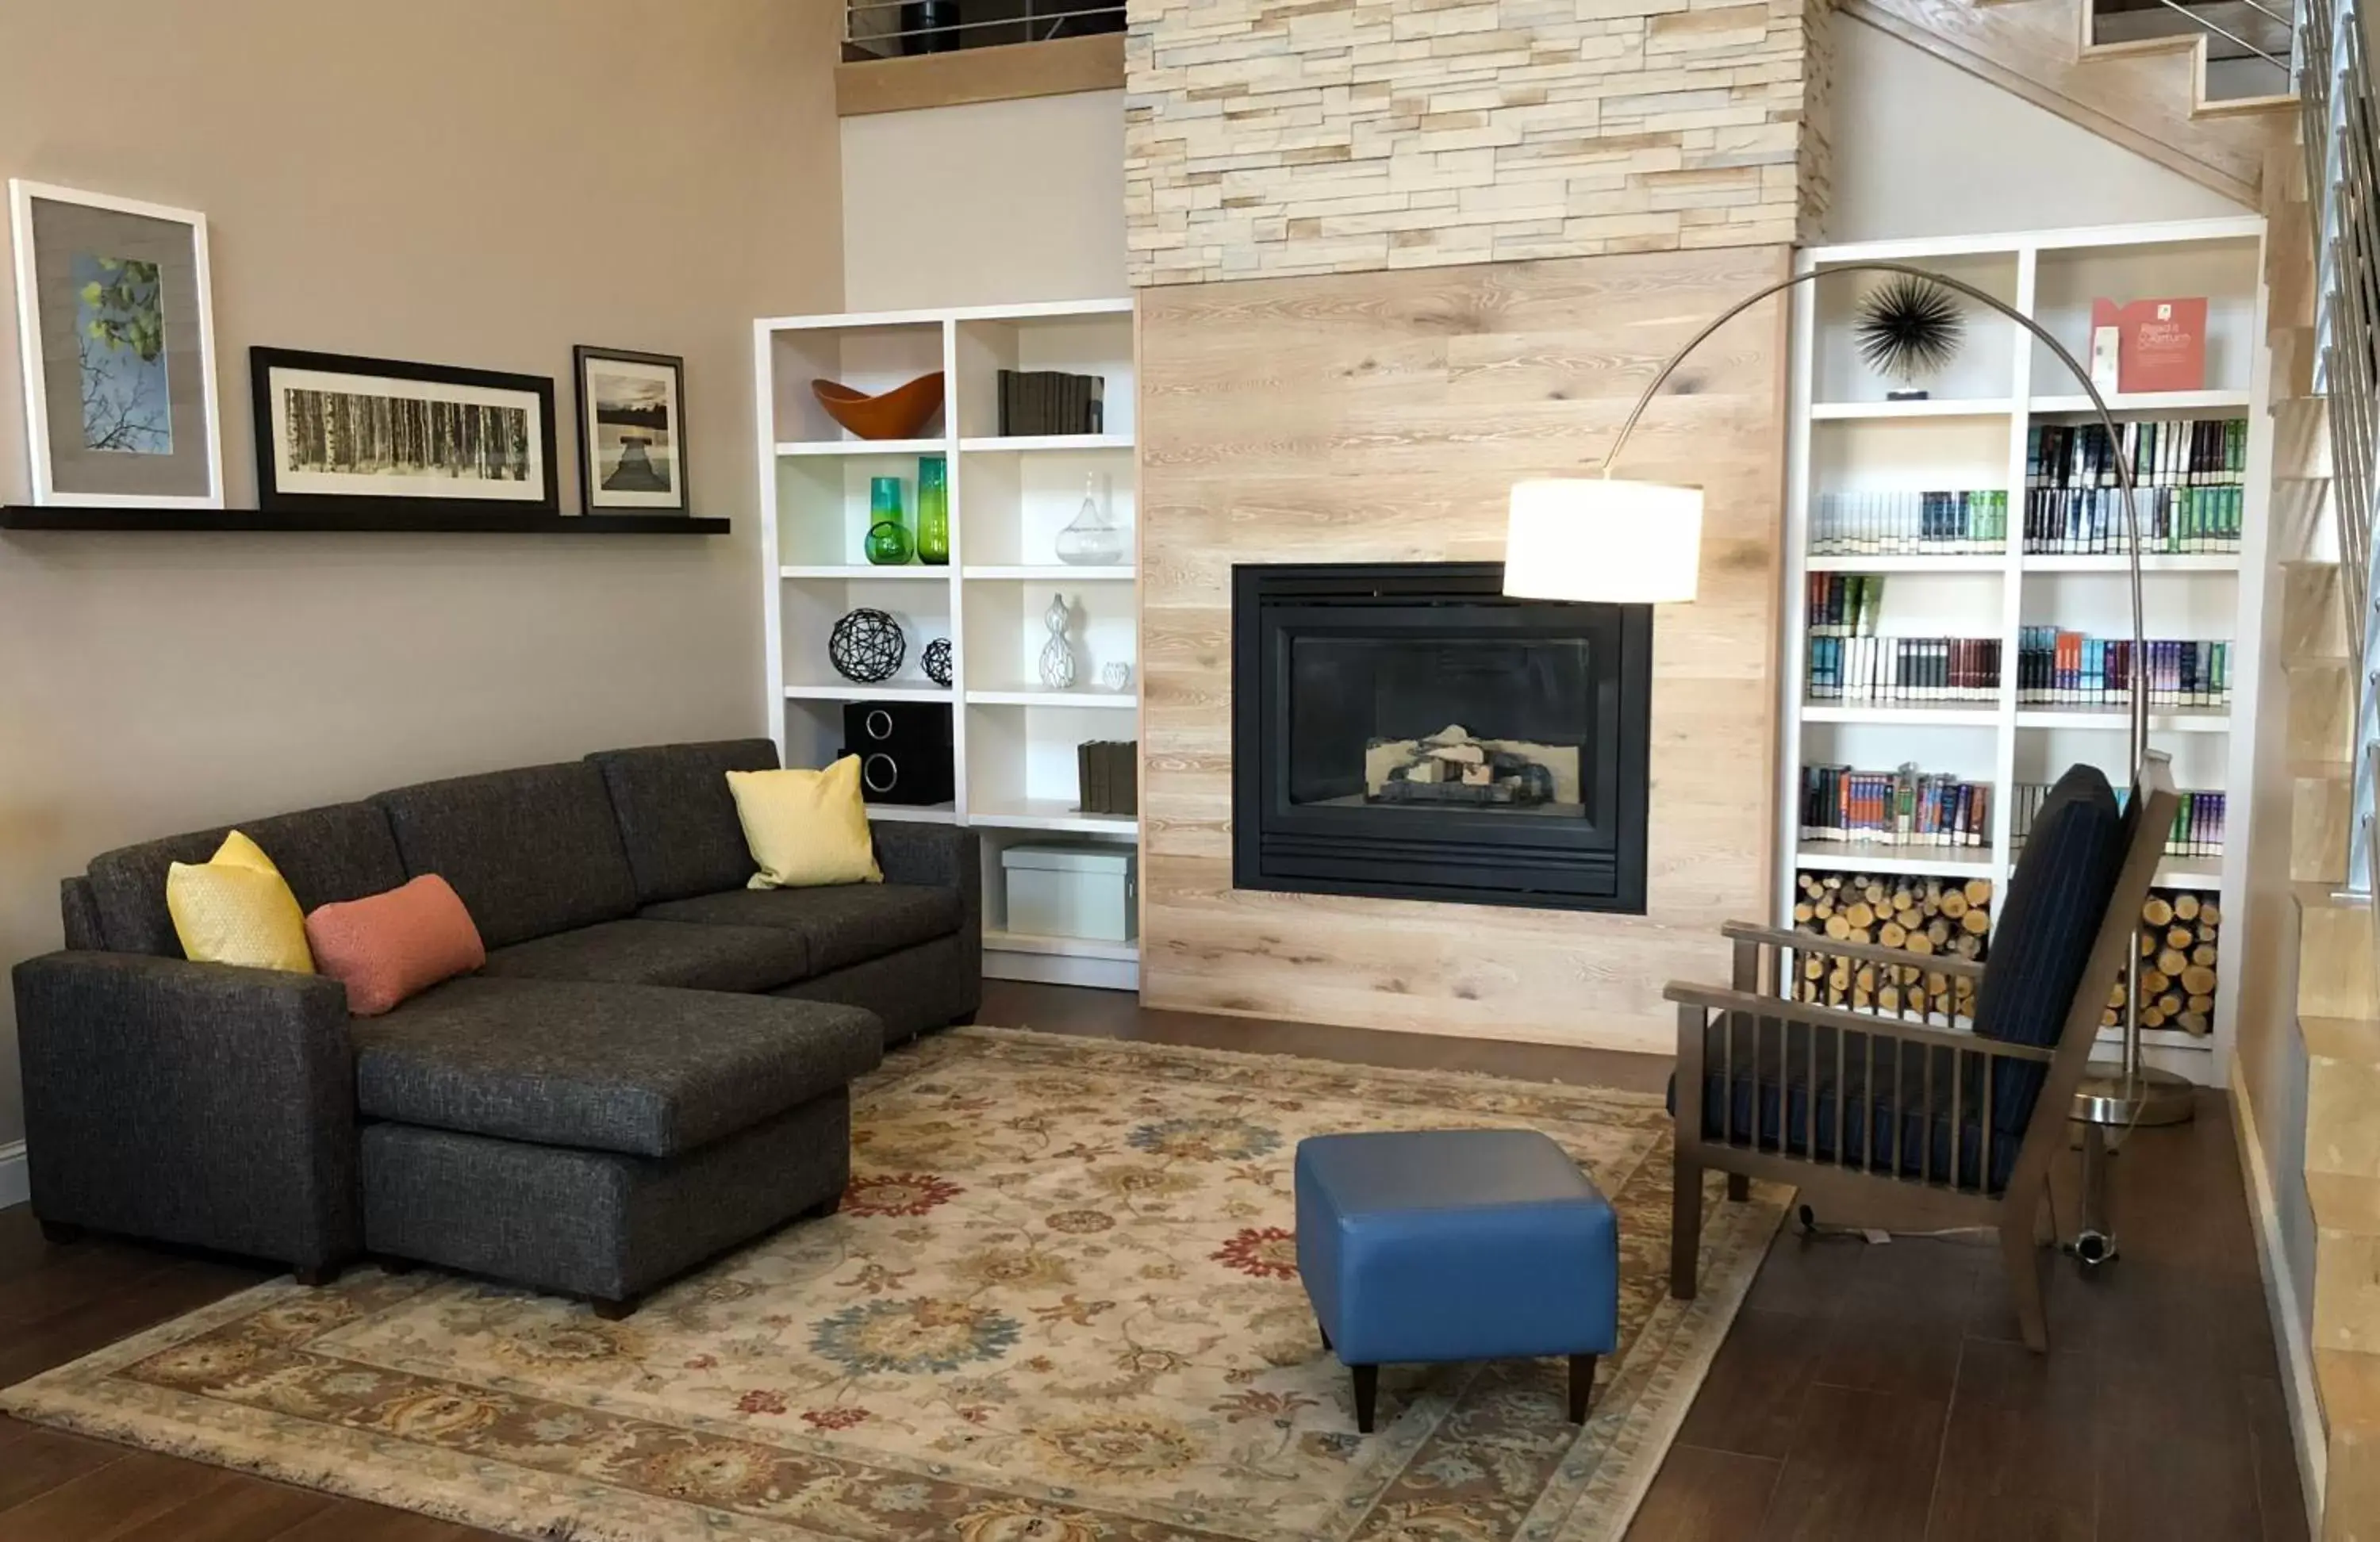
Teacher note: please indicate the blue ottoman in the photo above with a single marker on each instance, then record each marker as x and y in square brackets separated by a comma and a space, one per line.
[1456, 1244]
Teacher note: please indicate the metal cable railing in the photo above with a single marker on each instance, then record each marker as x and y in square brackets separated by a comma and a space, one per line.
[890, 29]
[2335, 86]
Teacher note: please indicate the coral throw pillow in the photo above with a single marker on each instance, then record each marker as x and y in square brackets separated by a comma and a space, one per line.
[384, 948]
[237, 908]
[806, 828]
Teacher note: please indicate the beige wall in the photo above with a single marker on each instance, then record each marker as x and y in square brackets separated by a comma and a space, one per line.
[450, 180]
[1923, 148]
[992, 204]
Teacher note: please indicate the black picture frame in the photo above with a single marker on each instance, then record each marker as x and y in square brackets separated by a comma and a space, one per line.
[596, 497]
[277, 488]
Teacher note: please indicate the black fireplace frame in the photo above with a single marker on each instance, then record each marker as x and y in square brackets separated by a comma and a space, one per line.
[1596, 863]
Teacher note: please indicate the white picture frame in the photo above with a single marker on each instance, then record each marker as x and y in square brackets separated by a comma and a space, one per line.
[65, 475]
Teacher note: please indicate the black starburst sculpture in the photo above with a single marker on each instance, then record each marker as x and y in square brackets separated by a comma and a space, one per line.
[1909, 327]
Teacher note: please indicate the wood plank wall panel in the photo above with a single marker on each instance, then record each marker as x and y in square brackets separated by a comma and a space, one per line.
[1383, 417]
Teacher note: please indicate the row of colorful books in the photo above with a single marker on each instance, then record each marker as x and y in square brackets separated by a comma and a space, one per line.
[2174, 520]
[2060, 669]
[1904, 807]
[1931, 524]
[1845, 604]
[1904, 669]
[2164, 452]
[2197, 824]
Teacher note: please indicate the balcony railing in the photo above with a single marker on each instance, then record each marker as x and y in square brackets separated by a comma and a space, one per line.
[896, 29]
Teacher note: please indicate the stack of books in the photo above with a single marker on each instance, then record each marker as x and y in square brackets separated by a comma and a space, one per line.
[2067, 669]
[2197, 822]
[2175, 521]
[1918, 524]
[1904, 808]
[1108, 776]
[1845, 604]
[2188, 473]
[1034, 402]
[2168, 451]
[1907, 670]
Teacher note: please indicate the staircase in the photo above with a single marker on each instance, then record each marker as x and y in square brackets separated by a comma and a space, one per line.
[2323, 337]
[2126, 75]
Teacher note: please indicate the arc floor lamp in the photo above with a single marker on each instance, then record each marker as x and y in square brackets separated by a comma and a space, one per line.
[1607, 539]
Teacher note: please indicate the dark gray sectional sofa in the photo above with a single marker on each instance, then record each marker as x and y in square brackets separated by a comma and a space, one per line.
[651, 1069]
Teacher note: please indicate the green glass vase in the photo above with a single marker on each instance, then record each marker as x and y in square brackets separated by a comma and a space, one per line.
[888, 543]
[933, 511]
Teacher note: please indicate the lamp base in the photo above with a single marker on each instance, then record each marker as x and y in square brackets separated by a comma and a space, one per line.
[2147, 1096]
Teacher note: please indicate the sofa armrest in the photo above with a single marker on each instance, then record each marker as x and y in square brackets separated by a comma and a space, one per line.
[191, 1103]
[946, 857]
[939, 855]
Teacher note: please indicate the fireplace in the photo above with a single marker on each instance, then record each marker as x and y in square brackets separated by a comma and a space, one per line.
[1406, 730]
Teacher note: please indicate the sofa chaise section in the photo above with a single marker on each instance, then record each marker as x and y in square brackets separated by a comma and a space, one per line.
[598, 1139]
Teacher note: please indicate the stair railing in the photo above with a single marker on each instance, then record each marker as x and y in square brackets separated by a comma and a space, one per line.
[2342, 153]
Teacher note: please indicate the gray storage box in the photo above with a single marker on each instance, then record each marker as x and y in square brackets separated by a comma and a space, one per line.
[1074, 889]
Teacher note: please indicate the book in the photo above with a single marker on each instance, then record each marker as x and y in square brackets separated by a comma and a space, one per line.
[2160, 344]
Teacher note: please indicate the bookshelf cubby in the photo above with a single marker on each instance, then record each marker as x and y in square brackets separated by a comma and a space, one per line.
[1858, 464]
[1013, 739]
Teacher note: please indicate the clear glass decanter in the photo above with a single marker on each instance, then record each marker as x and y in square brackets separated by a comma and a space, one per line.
[1092, 540]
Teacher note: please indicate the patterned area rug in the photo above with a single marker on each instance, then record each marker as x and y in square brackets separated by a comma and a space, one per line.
[1060, 1305]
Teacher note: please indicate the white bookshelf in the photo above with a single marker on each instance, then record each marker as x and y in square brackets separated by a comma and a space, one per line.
[1971, 434]
[1013, 738]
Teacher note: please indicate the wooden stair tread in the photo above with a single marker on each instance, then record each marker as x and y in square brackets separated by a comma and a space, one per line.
[2350, 1386]
[2348, 1202]
[2347, 1038]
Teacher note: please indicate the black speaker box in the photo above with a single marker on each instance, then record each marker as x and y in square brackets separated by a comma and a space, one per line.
[903, 749]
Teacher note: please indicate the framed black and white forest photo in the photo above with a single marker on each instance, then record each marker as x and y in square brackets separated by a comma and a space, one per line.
[116, 332]
[631, 430]
[332, 426]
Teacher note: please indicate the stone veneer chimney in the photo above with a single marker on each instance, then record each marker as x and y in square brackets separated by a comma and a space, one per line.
[1266, 138]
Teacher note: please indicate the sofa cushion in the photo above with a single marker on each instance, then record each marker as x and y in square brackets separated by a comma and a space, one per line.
[342, 852]
[676, 817]
[661, 953]
[843, 924]
[647, 1070]
[532, 852]
[2043, 937]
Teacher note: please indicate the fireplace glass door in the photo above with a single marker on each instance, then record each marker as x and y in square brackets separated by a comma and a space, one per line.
[1410, 730]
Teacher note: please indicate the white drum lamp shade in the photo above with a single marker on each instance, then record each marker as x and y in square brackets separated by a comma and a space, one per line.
[1601, 540]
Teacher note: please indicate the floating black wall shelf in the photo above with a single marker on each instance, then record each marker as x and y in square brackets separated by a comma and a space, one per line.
[426, 517]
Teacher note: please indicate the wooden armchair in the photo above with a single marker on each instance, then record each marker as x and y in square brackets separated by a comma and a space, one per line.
[1900, 1118]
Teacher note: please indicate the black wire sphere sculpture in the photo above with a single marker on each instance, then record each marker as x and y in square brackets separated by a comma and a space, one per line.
[1909, 327]
[867, 645]
[937, 659]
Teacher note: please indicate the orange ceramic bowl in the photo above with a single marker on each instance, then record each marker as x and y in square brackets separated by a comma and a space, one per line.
[899, 413]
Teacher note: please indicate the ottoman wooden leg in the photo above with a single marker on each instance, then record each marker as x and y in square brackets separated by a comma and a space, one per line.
[1738, 1186]
[1326, 1335]
[1367, 1392]
[1581, 1382]
[613, 1311]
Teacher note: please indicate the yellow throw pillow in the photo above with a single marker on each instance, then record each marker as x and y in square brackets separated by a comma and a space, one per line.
[806, 828]
[237, 908]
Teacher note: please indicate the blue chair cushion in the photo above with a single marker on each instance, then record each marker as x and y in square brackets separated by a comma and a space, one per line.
[1456, 1244]
[2042, 936]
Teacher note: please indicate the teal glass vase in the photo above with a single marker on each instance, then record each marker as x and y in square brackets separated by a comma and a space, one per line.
[933, 511]
[888, 543]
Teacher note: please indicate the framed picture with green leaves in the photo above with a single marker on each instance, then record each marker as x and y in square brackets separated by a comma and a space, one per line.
[116, 327]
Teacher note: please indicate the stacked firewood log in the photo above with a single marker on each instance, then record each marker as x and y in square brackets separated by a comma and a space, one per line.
[2180, 944]
[1923, 917]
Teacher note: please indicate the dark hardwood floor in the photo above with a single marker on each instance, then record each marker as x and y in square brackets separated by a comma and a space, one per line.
[1867, 1393]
